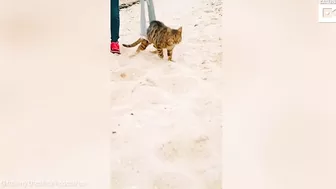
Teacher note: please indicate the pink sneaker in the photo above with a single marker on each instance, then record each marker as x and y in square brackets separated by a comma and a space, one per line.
[114, 48]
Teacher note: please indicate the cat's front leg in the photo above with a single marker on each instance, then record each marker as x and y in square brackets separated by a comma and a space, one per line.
[170, 54]
[160, 52]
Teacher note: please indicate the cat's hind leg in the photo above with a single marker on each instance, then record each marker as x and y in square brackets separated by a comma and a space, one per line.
[144, 44]
[154, 51]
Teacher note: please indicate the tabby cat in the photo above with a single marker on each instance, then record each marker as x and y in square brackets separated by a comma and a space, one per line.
[161, 36]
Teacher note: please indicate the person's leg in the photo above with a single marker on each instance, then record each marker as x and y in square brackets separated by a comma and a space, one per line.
[114, 25]
[114, 20]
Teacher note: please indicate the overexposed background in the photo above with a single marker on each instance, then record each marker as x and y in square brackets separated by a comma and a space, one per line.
[54, 95]
[279, 96]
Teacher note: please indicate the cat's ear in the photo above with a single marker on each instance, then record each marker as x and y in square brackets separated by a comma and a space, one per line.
[180, 29]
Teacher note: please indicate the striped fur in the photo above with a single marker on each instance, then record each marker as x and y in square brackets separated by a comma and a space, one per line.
[161, 36]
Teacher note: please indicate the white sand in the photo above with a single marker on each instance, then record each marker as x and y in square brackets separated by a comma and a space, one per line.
[167, 115]
[59, 80]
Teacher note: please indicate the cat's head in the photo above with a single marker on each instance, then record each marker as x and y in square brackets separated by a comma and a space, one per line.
[178, 35]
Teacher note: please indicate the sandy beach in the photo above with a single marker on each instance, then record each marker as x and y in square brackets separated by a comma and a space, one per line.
[167, 116]
[68, 115]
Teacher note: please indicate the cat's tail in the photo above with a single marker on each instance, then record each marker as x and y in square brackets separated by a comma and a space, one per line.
[133, 44]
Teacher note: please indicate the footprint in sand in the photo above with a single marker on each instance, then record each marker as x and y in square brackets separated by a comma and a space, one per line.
[128, 171]
[178, 84]
[192, 149]
[170, 180]
[121, 94]
[215, 184]
[212, 177]
[128, 74]
[154, 95]
[117, 180]
[125, 180]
